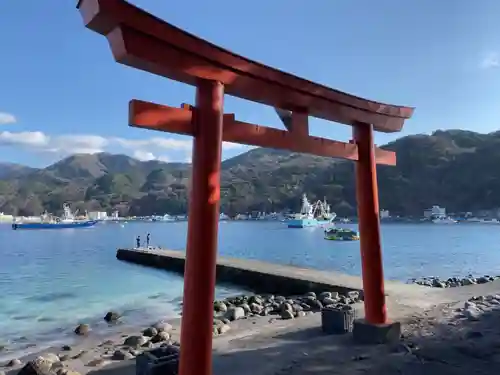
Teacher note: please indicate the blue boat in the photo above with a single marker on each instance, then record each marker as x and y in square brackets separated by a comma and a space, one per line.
[312, 215]
[48, 222]
[55, 225]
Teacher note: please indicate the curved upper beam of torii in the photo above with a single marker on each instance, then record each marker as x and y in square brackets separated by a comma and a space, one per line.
[143, 41]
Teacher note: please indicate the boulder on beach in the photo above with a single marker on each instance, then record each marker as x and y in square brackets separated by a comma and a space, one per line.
[220, 307]
[150, 332]
[160, 336]
[14, 363]
[135, 341]
[162, 326]
[111, 316]
[235, 313]
[38, 366]
[120, 355]
[82, 329]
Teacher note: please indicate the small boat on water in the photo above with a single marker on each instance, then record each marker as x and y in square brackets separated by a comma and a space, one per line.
[341, 234]
[312, 215]
[47, 221]
[444, 220]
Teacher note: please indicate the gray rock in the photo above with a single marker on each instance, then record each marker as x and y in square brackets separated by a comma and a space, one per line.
[160, 336]
[246, 308]
[14, 363]
[235, 313]
[162, 326]
[255, 299]
[472, 313]
[150, 332]
[120, 355]
[66, 348]
[38, 366]
[223, 329]
[111, 316]
[311, 294]
[53, 358]
[135, 341]
[82, 329]
[482, 280]
[328, 301]
[220, 306]
[286, 314]
[300, 314]
[285, 306]
[468, 281]
[315, 304]
[468, 304]
[353, 295]
[324, 295]
[255, 308]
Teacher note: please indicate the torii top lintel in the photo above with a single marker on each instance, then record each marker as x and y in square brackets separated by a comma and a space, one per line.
[141, 40]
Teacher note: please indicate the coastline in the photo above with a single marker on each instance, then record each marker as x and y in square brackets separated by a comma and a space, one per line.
[236, 314]
[138, 319]
[449, 333]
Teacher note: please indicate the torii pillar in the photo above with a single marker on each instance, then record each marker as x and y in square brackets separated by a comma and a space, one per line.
[142, 41]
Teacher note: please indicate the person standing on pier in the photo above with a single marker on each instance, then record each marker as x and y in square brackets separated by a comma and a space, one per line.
[138, 241]
[147, 240]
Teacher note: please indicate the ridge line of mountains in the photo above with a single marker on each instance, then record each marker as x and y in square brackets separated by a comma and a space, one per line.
[457, 169]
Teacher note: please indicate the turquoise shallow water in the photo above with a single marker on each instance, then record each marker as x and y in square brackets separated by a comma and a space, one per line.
[53, 279]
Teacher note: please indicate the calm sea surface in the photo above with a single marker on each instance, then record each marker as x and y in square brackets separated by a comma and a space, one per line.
[52, 280]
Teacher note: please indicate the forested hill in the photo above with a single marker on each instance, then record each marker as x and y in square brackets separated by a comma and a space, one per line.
[456, 169]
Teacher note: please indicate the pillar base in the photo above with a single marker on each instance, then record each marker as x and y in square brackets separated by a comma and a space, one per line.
[372, 334]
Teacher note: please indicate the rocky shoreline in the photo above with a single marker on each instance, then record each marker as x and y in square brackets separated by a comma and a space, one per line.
[77, 359]
[94, 351]
[452, 282]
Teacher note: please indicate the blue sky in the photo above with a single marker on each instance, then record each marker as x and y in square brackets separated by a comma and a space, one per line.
[61, 92]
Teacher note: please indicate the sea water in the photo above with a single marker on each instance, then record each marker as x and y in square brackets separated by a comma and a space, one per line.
[51, 280]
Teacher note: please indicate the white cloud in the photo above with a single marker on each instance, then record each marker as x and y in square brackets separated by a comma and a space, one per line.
[156, 142]
[144, 155]
[155, 148]
[491, 61]
[79, 144]
[7, 118]
[27, 139]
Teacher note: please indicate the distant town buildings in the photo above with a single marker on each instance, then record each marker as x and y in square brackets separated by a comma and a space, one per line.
[435, 212]
[97, 215]
[384, 214]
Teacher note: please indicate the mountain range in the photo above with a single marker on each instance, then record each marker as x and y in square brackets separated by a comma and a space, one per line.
[456, 169]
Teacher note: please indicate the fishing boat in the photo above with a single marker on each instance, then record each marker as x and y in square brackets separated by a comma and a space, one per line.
[312, 215]
[444, 220]
[341, 234]
[48, 221]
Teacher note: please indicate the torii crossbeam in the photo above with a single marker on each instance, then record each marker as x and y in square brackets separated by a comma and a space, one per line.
[142, 41]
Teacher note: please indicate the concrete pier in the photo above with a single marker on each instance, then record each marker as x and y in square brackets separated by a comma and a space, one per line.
[262, 277]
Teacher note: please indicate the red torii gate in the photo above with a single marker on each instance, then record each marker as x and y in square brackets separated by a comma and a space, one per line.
[140, 40]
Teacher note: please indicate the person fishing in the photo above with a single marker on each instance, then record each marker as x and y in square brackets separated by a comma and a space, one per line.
[138, 241]
[147, 239]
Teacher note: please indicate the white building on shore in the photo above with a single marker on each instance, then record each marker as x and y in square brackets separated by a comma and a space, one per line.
[97, 215]
[435, 212]
[384, 214]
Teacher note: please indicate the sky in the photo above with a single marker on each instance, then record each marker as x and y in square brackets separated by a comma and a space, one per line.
[61, 92]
